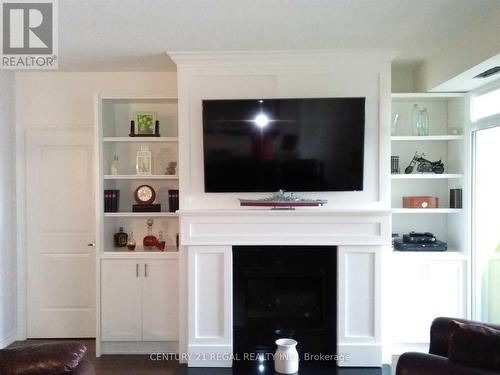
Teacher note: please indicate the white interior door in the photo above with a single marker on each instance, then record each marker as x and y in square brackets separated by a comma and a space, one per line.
[60, 225]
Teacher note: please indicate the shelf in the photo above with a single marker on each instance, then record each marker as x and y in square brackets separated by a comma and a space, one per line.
[418, 138]
[426, 210]
[427, 95]
[424, 176]
[140, 139]
[140, 177]
[141, 214]
[171, 252]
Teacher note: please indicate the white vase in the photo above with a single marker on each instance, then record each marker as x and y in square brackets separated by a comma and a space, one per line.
[286, 358]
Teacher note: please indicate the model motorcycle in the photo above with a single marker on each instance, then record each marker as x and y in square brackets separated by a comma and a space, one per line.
[424, 165]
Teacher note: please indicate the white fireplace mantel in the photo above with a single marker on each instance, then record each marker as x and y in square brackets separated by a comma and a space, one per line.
[360, 236]
[285, 227]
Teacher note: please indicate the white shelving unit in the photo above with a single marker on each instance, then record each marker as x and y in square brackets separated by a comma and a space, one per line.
[114, 116]
[446, 114]
[142, 282]
[428, 284]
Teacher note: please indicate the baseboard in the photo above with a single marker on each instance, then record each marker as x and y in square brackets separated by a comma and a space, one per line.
[359, 355]
[210, 356]
[153, 348]
[7, 340]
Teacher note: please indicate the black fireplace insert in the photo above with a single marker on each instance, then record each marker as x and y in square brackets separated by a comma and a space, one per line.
[284, 291]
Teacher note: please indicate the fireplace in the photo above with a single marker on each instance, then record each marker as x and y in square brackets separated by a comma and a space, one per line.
[284, 291]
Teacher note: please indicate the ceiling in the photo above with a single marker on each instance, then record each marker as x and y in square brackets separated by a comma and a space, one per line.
[133, 35]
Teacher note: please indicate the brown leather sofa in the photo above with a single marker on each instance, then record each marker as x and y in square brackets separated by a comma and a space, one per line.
[56, 358]
[437, 362]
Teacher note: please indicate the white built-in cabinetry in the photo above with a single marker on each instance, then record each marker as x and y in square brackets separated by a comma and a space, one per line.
[139, 299]
[137, 296]
[424, 285]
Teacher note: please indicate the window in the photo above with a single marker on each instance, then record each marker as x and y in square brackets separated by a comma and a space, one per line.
[485, 105]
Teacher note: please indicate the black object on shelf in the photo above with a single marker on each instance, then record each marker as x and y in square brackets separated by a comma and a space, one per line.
[400, 245]
[111, 200]
[394, 164]
[173, 200]
[132, 129]
[154, 207]
[455, 198]
[121, 238]
[424, 165]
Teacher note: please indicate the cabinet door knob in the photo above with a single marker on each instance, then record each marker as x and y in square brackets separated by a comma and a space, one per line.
[91, 244]
[145, 270]
[137, 270]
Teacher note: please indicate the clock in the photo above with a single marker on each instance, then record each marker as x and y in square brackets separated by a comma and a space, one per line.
[144, 194]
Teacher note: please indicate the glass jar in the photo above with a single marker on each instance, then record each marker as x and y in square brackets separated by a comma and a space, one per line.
[149, 242]
[160, 243]
[131, 242]
[415, 120]
[424, 122]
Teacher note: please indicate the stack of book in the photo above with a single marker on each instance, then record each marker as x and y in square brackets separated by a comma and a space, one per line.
[173, 200]
[111, 200]
[455, 198]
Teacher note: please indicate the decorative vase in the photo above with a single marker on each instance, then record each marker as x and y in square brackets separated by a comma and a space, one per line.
[286, 358]
[149, 242]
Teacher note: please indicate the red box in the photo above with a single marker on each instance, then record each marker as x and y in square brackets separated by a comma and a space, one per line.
[420, 201]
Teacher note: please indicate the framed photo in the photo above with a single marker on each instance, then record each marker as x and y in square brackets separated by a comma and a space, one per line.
[145, 124]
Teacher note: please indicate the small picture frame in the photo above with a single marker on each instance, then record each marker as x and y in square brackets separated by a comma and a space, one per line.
[143, 162]
[145, 125]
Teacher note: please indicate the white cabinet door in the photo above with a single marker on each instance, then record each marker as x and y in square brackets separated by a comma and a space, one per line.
[160, 300]
[422, 291]
[121, 296]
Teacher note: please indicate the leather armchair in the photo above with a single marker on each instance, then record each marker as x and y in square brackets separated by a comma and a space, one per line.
[44, 359]
[437, 362]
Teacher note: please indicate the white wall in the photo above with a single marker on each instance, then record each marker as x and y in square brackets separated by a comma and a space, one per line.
[48, 100]
[403, 78]
[471, 47]
[7, 212]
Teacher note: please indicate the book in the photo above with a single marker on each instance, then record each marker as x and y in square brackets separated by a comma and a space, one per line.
[111, 200]
[173, 200]
[107, 201]
[455, 198]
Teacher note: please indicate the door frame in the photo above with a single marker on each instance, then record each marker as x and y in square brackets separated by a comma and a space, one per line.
[475, 126]
[22, 134]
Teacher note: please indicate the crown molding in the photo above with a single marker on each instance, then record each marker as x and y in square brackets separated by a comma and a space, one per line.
[277, 58]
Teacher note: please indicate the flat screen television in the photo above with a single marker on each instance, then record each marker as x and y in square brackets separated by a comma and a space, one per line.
[299, 145]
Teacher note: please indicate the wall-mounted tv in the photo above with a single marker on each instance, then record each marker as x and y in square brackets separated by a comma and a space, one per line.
[263, 145]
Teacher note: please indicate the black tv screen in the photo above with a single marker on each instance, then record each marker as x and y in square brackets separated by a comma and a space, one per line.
[263, 145]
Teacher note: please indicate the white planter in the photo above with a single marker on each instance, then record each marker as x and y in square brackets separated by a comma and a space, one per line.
[286, 358]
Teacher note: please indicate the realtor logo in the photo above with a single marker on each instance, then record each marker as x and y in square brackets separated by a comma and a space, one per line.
[29, 34]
